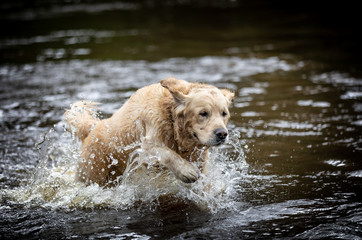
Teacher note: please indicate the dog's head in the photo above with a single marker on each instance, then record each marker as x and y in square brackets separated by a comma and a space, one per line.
[201, 109]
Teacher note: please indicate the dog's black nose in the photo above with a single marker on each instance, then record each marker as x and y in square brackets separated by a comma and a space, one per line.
[221, 133]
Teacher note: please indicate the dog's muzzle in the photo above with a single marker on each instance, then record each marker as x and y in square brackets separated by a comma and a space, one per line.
[220, 135]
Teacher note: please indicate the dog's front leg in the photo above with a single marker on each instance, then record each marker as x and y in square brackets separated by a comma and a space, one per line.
[182, 169]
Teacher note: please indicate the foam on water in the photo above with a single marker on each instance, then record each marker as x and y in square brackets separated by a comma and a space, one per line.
[54, 184]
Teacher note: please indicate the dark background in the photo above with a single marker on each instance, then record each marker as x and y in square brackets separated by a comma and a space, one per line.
[333, 26]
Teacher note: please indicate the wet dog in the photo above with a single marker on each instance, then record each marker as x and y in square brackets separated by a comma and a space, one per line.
[175, 120]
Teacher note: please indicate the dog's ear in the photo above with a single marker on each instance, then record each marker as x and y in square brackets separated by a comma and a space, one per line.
[228, 94]
[178, 89]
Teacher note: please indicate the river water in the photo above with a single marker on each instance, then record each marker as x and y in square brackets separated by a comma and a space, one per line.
[292, 167]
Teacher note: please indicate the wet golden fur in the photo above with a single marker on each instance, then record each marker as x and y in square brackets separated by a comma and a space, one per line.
[175, 120]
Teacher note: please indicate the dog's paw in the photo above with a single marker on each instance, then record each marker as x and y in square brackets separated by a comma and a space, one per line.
[188, 173]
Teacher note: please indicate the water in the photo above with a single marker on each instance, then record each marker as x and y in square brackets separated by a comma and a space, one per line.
[291, 169]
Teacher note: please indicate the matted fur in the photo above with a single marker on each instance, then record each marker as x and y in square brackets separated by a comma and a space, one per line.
[176, 120]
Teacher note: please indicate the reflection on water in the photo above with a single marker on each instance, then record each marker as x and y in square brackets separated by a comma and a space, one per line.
[292, 166]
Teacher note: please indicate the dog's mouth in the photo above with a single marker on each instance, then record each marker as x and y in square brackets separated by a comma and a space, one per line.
[220, 142]
[216, 142]
[195, 135]
[213, 142]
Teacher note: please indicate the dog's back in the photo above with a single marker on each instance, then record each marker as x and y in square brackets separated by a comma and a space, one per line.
[108, 143]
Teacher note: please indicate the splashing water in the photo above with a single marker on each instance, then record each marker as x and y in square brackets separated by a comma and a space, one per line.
[53, 183]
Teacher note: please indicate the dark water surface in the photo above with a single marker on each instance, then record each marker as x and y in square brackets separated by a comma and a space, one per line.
[291, 170]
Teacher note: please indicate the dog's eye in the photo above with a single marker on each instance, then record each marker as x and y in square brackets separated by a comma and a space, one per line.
[204, 114]
[224, 114]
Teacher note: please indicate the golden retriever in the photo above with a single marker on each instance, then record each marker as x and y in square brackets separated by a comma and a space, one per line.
[175, 120]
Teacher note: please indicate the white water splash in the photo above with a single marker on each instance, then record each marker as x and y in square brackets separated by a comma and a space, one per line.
[53, 184]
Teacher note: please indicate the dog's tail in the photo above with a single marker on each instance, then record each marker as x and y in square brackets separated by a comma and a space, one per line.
[81, 117]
